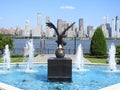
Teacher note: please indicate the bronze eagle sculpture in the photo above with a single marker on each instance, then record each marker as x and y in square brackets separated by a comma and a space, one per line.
[60, 36]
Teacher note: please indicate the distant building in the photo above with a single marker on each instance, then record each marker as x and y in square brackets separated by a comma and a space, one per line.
[117, 27]
[105, 30]
[62, 25]
[90, 31]
[81, 32]
[115, 31]
[49, 32]
[38, 30]
[71, 32]
[35, 31]
[26, 31]
[108, 28]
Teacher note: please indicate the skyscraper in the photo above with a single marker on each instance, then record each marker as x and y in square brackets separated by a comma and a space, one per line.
[62, 25]
[108, 28]
[81, 32]
[71, 32]
[90, 31]
[39, 19]
[113, 28]
[26, 31]
[38, 30]
[105, 30]
[117, 27]
[49, 31]
[115, 32]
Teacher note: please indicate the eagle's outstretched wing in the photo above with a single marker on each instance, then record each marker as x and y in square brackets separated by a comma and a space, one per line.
[63, 33]
[51, 25]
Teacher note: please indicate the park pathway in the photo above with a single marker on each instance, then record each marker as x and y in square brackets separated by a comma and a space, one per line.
[42, 58]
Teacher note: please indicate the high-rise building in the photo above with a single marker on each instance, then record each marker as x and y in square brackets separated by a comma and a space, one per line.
[18, 31]
[47, 28]
[39, 19]
[115, 31]
[108, 28]
[81, 32]
[117, 27]
[38, 30]
[49, 31]
[62, 25]
[71, 32]
[26, 31]
[90, 31]
[105, 30]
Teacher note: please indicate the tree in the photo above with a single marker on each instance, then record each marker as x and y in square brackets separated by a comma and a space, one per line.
[4, 40]
[98, 43]
[118, 49]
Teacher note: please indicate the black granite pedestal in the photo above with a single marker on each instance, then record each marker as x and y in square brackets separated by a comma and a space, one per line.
[59, 69]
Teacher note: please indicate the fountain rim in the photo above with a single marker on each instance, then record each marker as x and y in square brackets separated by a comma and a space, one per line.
[44, 63]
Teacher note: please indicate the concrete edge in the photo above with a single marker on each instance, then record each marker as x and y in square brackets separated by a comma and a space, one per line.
[4, 86]
[112, 87]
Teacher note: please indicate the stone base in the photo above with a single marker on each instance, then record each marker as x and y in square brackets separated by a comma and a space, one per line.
[59, 69]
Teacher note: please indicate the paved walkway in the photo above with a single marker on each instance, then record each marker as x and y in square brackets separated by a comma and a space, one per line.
[4, 86]
[112, 87]
[42, 58]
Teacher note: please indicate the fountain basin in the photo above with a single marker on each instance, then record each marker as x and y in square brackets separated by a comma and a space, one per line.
[92, 79]
[59, 69]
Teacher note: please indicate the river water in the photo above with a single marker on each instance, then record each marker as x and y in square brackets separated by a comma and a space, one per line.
[49, 46]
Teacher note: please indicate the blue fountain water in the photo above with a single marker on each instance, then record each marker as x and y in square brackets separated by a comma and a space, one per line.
[97, 77]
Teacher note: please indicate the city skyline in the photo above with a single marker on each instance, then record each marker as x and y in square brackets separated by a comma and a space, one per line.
[14, 13]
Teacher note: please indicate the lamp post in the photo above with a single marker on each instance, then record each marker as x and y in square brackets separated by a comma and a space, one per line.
[74, 44]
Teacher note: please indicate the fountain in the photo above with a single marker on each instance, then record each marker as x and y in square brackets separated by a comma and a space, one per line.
[79, 59]
[59, 67]
[6, 57]
[25, 53]
[30, 54]
[111, 58]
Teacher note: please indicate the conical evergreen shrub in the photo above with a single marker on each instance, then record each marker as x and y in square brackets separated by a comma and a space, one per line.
[98, 45]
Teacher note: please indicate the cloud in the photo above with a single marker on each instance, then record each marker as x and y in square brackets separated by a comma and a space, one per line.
[67, 7]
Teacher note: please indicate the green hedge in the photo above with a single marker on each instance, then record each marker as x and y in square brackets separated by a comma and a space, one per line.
[17, 55]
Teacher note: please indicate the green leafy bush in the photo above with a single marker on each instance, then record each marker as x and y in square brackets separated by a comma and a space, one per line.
[98, 45]
[118, 49]
[4, 40]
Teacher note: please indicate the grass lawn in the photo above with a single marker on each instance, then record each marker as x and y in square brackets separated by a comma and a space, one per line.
[97, 60]
[17, 60]
[92, 59]
[100, 60]
[13, 60]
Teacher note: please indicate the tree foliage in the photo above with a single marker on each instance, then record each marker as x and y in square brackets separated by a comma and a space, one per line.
[4, 40]
[118, 49]
[98, 43]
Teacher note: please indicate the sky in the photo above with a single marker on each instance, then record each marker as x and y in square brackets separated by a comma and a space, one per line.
[15, 12]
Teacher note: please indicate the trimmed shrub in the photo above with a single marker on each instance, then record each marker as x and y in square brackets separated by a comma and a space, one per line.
[98, 45]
